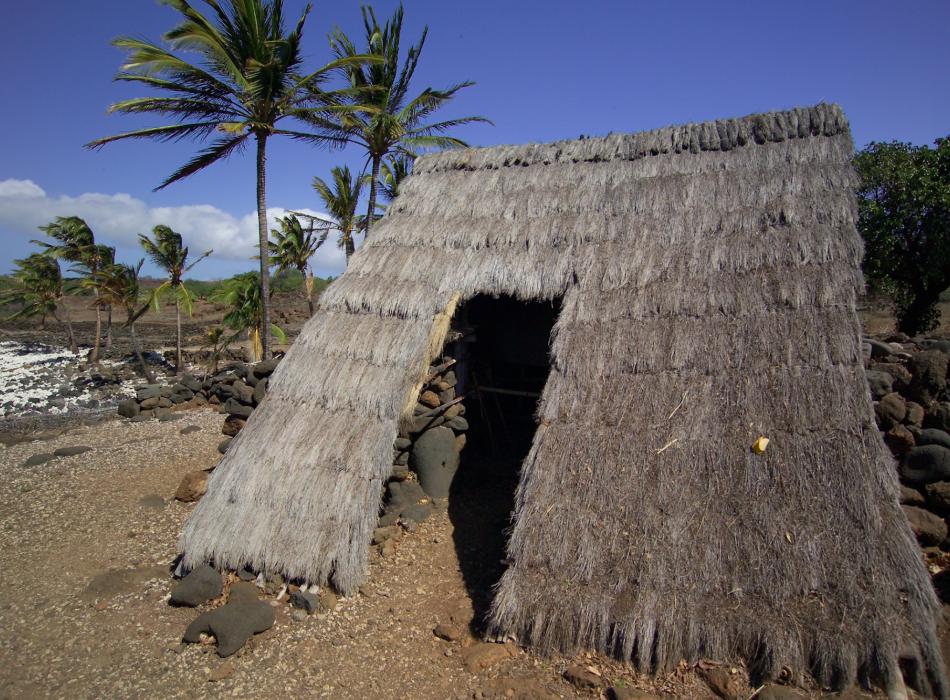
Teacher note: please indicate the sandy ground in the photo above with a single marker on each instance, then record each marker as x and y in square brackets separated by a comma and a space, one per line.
[86, 545]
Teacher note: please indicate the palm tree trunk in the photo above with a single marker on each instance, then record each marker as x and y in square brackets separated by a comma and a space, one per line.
[177, 336]
[371, 210]
[262, 236]
[308, 288]
[348, 247]
[69, 329]
[149, 377]
[256, 342]
[94, 353]
[108, 326]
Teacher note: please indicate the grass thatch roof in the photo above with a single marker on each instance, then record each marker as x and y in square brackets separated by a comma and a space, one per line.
[708, 275]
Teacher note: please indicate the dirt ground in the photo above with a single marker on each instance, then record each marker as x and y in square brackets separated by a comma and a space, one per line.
[88, 540]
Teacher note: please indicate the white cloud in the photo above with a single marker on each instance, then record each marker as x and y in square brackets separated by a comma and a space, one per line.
[119, 218]
[20, 188]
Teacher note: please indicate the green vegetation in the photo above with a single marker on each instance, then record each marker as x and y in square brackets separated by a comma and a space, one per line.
[388, 121]
[76, 243]
[248, 80]
[242, 295]
[341, 200]
[201, 289]
[292, 249]
[167, 252]
[904, 217]
[37, 287]
[289, 282]
[394, 170]
[118, 284]
[216, 341]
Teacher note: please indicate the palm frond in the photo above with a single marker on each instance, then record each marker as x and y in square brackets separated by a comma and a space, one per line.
[172, 132]
[220, 149]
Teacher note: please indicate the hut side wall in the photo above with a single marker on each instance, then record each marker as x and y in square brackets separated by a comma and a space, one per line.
[708, 272]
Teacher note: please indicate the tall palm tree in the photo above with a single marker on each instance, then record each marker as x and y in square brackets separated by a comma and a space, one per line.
[292, 249]
[39, 289]
[242, 294]
[247, 81]
[76, 244]
[118, 285]
[167, 252]
[341, 199]
[388, 120]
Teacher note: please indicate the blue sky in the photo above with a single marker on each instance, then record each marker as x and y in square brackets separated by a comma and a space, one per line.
[544, 71]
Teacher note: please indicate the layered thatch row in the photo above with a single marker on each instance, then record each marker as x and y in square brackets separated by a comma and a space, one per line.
[708, 273]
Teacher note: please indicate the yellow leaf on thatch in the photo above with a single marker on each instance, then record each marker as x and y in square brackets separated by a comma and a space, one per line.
[759, 445]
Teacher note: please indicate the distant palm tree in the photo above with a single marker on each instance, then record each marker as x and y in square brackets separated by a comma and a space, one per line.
[292, 249]
[76, 244]
[216, 341]
[388, 120]
[167, 252]
[393, 171]
[39, 289]
[341, 200]
[249, 78]
[242, 294]
[118, 285]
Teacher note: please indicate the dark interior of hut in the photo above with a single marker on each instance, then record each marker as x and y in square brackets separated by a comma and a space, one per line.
[502, 348]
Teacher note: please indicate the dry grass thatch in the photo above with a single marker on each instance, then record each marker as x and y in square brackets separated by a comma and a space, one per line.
[708, 267]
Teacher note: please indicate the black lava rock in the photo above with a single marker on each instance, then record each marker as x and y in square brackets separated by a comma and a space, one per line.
[926, 464]
[435, 460]
[72, 451]
[128, 408]
[202, 584]
[933, 436]
[232, 625]
[38, 459]
[880, 383]
[305, 601]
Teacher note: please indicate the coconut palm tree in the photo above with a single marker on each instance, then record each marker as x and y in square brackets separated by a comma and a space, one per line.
[118, 285]
[292, 249]
[242, 293]
[388, 120]
[216, 341]
[247, 81]
[341, 199]
[39, 289]
[393, 171]
[76, 244]
[167, 252]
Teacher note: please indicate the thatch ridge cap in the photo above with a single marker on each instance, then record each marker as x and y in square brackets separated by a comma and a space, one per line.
[823, 119]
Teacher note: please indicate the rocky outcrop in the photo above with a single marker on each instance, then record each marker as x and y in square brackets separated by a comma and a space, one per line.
[907, 379]
[236, 391]
[426, 452]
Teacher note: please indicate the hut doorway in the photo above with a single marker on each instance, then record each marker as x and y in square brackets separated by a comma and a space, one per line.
[502, 347]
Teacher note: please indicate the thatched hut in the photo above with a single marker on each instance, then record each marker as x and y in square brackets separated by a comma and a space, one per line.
[707, 277]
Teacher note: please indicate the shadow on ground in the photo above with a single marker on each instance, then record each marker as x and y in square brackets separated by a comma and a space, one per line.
[480, 504]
